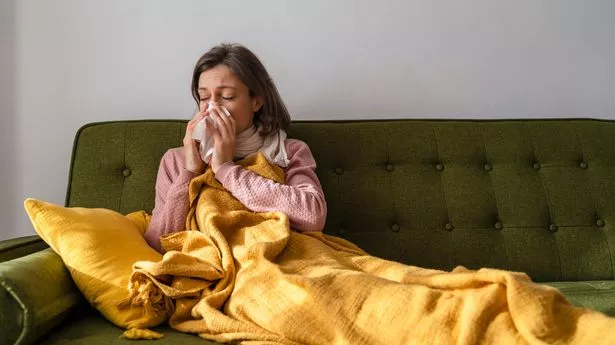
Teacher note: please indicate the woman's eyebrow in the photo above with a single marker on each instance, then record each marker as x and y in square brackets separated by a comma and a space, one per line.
[220, 87]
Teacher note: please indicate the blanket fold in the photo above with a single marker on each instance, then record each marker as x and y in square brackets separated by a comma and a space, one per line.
[245, 277]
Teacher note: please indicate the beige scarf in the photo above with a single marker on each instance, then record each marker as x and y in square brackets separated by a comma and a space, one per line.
[247, 142]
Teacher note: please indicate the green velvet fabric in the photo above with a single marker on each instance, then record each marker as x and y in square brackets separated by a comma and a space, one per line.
[598, 295]
[87, 327]
[36, 294]
[21, 246]
[536, 196]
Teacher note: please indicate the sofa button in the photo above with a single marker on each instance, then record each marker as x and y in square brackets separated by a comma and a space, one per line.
[498, 226]
[390, 167]
[600, 223]
[583, 165]
[536, 166]
[126, 172]
[341, 232]
[553, 228]
[339, 171]
[449, 226]
[395, 228]
[439, 167]
[488, 167]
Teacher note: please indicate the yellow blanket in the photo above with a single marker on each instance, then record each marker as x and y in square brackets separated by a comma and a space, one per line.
[246, 278]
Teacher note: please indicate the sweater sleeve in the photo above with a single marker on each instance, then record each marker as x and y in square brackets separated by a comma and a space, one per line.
[171, 203]
[301, 198]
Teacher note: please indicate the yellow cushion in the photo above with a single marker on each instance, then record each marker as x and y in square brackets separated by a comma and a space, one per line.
[99, 247]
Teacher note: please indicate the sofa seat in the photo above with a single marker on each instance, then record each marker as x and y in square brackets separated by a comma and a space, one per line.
[595, 294]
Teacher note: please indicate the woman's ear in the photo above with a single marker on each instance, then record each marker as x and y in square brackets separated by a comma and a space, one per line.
[257, 103]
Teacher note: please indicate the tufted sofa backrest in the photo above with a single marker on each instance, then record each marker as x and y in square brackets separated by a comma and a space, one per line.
[536, 196]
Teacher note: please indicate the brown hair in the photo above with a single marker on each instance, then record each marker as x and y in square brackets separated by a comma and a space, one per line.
[273, 115]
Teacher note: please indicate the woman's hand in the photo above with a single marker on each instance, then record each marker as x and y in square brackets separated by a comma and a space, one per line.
[194, 162]
[224, 138]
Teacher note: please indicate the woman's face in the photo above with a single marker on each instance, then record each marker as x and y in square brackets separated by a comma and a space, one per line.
[220, 85]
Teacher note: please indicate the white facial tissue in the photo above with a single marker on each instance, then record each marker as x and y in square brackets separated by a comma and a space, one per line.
[199, 132]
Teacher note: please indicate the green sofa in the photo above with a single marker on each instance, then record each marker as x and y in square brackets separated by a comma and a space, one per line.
[536, 196]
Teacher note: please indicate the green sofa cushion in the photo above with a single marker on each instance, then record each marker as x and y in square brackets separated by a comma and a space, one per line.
[36, 294]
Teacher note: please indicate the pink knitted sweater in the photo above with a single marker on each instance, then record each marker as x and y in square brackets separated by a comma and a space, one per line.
[301, 198]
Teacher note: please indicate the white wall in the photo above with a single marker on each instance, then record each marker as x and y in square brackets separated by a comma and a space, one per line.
[8, 153]
[83, 61]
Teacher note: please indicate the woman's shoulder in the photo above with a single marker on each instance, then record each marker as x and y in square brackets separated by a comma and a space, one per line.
[298, 151]
[294, 146]
[174, 153]
[173, 159]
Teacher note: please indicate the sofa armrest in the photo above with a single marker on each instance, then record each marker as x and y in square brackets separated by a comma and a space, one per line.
[36, 294]
[20, 246]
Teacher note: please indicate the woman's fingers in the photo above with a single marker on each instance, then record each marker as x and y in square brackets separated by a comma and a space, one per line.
[193, 160]
[211, 129]
[228, 119]
[224, 137]
[224, 126]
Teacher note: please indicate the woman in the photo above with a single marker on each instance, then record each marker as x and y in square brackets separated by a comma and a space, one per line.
[230, 77]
